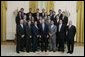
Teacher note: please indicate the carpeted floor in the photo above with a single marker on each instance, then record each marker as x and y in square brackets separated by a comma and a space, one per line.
[10, 50]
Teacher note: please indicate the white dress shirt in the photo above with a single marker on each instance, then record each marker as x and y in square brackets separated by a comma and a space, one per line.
[52, 26]
[21, 25]
[43, 25]
[60, 27]
[36, 26]
[70, 26]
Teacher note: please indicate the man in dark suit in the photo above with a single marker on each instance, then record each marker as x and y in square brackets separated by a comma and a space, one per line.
[61, 30]
[57, 36]
[35, 35]
[43, 13]
[50, 13]
[53, 17]
[65, 21]
[28, 36]
[20, 37]
[29, 14]
[70, 37]
[64, 18]
[60, 14]
[18, 18]
[44, 35]
[22, 12]
[36, 15]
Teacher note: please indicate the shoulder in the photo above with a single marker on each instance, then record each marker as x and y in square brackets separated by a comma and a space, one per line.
[18, 26]
[55, 26]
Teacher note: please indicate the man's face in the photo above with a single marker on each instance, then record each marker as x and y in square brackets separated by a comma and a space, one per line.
[50, 11]
[46, 13]
[49, 20]
[52, 22]
[54, 13]
[37, 10]
[22, 10]
[42, 20]
[59, 11]
[35, 22]
[48, 17]
[21, 21]
[60, 21]
[19, 13]
[63, 13]
[29, 22]
[43, 10]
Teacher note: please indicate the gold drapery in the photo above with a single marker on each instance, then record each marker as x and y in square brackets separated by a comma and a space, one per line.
[33, 5]
[3, 20]
[80, 22]
[49, 6]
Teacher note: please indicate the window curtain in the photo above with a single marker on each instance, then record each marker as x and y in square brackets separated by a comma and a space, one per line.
[3, 20]
[41, 5]
[49, 6]
[80, 22]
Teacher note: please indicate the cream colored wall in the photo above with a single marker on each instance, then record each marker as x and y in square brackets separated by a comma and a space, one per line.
[10, 23]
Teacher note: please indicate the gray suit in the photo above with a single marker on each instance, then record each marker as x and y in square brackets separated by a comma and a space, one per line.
[52, 39]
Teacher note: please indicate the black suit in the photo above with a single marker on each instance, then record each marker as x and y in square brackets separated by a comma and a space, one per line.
[61, 37]
[18, 18]
[60, 16]
[70, 38]
[28, 15]
[65, 21]
[20, 39]
[42, 15]
[53, 17]
[35, 16]
[57, 36]
[35, 32]
[44, 40]
[28, 40]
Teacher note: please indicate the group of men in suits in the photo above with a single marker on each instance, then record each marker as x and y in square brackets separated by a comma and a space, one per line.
[44, 31]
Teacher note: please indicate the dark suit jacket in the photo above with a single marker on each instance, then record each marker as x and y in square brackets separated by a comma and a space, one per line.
[71, 33]
[28, 30]
[65, 20]
[20, 30]
[27, 15]
[17, 20]
[45, 32]
[62, 31]
[60, 17]
[35, 16]
[41, 14]
[35, 31]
